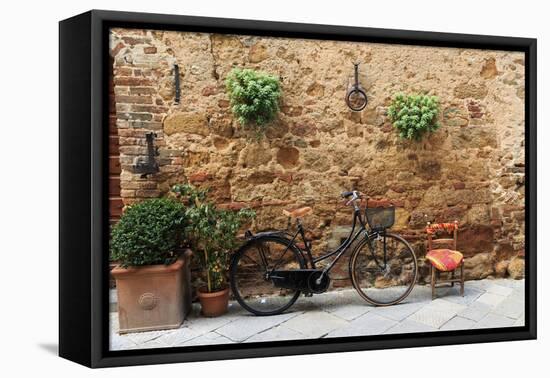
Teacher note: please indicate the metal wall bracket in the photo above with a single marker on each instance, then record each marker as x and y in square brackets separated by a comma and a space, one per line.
[176, 84]
[147, 165]
[356, 97]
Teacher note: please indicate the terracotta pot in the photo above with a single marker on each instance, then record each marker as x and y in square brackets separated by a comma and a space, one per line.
[215, 303]
[153, 297]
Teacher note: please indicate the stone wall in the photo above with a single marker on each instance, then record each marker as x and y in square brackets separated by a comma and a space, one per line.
[470, 170]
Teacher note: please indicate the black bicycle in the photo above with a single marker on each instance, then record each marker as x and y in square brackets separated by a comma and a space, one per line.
[270, 270]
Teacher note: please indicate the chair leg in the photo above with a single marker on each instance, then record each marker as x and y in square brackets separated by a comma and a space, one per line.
[462, 279]
[433, 281]
[452, 278]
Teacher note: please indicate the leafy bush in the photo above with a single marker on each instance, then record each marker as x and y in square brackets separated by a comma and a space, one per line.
[414, 115]
[254, 97]
[211, 231]
[149, 233]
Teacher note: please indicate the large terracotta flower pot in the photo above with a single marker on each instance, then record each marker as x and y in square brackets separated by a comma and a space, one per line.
[153, 297]
[215, 303]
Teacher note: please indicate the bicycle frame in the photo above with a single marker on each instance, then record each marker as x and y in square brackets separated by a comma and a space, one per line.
[342, 248]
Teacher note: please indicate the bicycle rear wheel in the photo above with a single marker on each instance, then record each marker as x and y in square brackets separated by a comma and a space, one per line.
[250, 281]
[383, 269]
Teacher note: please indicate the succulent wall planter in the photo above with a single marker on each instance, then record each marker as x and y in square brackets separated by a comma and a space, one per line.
[414, 115]
[254, 97]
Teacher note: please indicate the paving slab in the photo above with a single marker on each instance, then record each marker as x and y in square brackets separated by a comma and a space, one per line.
[437, 313]
[328, 300]
[143, 337]
[280, 332]
[510, 307]
[349, 311]
[458, 323]
[514, 284]
[499, 289]
[388, 294]
[152, 344]
[247, 326]
[179, 336]
[113, 301]
[315, 323]
[478, 284]
[399, 311]
[520, 322]
[410, 326]
[117, 342]
[453, 295]
[203, 325]
[419, 294]
[491, 299]
[208, 339]
[492, 320]
[476, 311]
[113, 322]
[431, 317]
[518, 293]
[445, 305]
[368, 324]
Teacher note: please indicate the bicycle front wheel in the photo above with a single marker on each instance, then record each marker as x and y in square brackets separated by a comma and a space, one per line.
[250, 269]
[383, 269]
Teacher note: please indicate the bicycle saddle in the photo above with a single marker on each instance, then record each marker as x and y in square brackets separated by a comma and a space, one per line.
[298, 213]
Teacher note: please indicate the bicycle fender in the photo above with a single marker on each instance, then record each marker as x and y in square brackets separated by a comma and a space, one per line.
[250, 236]
[275, 233]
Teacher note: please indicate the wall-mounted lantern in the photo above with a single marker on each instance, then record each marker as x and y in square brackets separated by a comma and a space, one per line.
[147, 165]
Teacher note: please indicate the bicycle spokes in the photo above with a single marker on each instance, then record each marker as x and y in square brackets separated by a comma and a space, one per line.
[250, 275]
[383, 269]
[379, 258]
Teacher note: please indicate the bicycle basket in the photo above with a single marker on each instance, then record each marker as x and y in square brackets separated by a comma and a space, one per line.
[380, 218]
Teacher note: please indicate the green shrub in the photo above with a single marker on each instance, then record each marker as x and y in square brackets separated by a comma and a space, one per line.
[414, 115]
[149, 233]
[254, 97]
[212, 232]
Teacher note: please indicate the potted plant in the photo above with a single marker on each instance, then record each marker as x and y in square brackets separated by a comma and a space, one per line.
[254, 97]
[152, 275]
[414, 115]
[213, 234]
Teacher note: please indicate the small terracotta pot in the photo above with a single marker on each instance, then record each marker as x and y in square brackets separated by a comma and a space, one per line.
[213, 304]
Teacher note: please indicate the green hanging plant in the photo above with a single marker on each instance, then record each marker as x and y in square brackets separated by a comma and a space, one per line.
[254, 97]
[414, 115]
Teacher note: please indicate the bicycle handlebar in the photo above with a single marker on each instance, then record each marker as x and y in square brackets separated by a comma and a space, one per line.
[346, 194]
[355, 195]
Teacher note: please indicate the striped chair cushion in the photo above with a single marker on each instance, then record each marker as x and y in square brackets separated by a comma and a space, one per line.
[445, 260]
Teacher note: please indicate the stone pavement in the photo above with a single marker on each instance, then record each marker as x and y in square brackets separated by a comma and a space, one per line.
[486, 304]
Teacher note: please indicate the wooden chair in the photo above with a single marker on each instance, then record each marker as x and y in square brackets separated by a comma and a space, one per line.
[443, 256]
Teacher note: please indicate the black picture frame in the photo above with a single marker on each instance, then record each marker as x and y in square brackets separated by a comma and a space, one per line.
[83, 205]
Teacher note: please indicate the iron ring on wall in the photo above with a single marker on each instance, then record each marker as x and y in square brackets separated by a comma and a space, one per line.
[362, 93]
